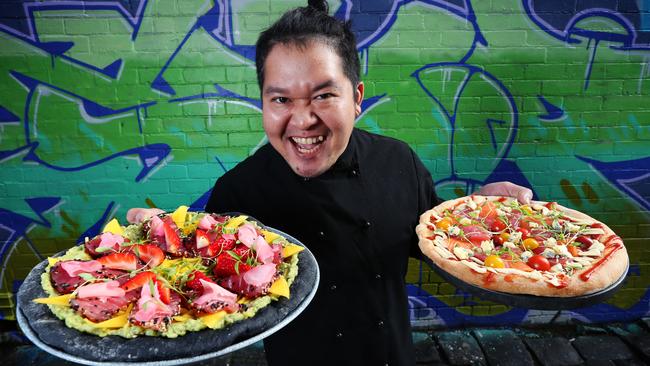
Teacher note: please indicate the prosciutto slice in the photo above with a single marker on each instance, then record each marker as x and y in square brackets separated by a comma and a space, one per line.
[215, 298]
[252, 283]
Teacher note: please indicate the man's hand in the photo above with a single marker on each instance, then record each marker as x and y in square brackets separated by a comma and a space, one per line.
[523, 194]
[137, 215]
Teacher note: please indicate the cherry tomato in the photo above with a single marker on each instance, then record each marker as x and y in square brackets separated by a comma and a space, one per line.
[551, 205]
[444, 223]
[494, 261]
[530, 243]
[501, 238]
[497, 226]
[525, 233]
[539, 262]
[584, 241]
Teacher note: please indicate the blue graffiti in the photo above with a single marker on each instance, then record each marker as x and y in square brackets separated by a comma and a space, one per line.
[632, 177]
[553, 112]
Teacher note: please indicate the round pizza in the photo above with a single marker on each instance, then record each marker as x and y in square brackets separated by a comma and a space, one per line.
[541, 248]
[171, 274]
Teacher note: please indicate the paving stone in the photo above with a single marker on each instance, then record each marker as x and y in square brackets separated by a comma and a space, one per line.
[503, 348]
[630, 363]
[460, 348]
[639, 343]
[556, 351]
[599, 363]
[426, 352]
[602, 347]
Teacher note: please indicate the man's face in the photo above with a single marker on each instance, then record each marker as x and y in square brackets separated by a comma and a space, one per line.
[309, 106]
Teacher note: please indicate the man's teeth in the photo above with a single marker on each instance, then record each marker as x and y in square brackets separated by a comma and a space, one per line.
[308, 140]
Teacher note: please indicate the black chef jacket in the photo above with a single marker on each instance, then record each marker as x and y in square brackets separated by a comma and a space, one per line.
[358, 218]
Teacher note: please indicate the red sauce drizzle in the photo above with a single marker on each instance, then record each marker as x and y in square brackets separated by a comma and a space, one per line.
[586, 274]
[489, 278]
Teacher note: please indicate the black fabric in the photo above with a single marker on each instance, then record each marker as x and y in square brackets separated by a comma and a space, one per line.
[358, 219]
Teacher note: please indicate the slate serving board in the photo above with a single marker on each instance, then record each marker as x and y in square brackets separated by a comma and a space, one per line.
[50, 334]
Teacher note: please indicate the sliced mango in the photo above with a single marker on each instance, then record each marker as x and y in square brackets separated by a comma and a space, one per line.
[215, 320]
[291, 249]
[179, 216]
[113, 227]
[183, 317]
[52, 261]
[269, 236]
[117, 321]
[63, 300]
[243, 300]
[235, 221]
[280, 287]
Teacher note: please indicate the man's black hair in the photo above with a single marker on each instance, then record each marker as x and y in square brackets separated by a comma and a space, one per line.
[306, 24]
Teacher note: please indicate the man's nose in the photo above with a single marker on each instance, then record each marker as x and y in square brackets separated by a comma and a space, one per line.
[303, 115]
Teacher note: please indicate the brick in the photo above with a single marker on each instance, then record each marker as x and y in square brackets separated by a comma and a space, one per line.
[555, 351]
[503, 347]
[85, 26]
[244, 139]
[460, 348]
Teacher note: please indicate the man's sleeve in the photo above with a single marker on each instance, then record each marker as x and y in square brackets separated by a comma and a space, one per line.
[427, 199]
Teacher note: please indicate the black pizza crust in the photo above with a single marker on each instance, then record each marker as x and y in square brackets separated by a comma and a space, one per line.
[53, 332]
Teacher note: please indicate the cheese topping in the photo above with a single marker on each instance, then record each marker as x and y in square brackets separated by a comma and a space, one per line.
[476, 267]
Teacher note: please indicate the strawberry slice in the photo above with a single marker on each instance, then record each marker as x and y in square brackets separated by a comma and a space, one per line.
[202, 239]
[195, 282]
[123, 261]
[219, 245]
[232, 262]
[150, 254]
[138, 281]
[164, 292]
[172, 240]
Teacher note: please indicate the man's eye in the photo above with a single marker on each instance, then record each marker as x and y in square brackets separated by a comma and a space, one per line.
[324, 96]
[280, 100]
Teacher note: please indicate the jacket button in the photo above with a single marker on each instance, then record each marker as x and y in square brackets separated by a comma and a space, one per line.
[333, 287]
[339, 335]
[354, 172]
[378, 276]
[380, 323]
[366, 224]
[321, 235]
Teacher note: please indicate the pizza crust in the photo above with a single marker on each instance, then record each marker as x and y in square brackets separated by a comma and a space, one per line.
[519, 282]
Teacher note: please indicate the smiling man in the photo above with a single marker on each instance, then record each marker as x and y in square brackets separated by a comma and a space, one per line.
[354, 198]
[309, 105]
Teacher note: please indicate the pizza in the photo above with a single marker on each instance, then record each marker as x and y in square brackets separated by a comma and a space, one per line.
[171, 274]
[541, 248]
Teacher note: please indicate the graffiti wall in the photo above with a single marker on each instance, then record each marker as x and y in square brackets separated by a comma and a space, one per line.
[107, 105]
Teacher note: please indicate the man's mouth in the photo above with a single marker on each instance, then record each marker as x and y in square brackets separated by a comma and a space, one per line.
[308, 145]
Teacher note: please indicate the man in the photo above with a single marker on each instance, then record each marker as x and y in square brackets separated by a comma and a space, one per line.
[352, 197]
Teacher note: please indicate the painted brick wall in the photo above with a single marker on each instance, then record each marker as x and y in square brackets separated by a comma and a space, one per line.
[110, 105]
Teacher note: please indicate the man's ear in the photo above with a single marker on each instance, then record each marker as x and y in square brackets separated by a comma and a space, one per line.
[358, 98]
